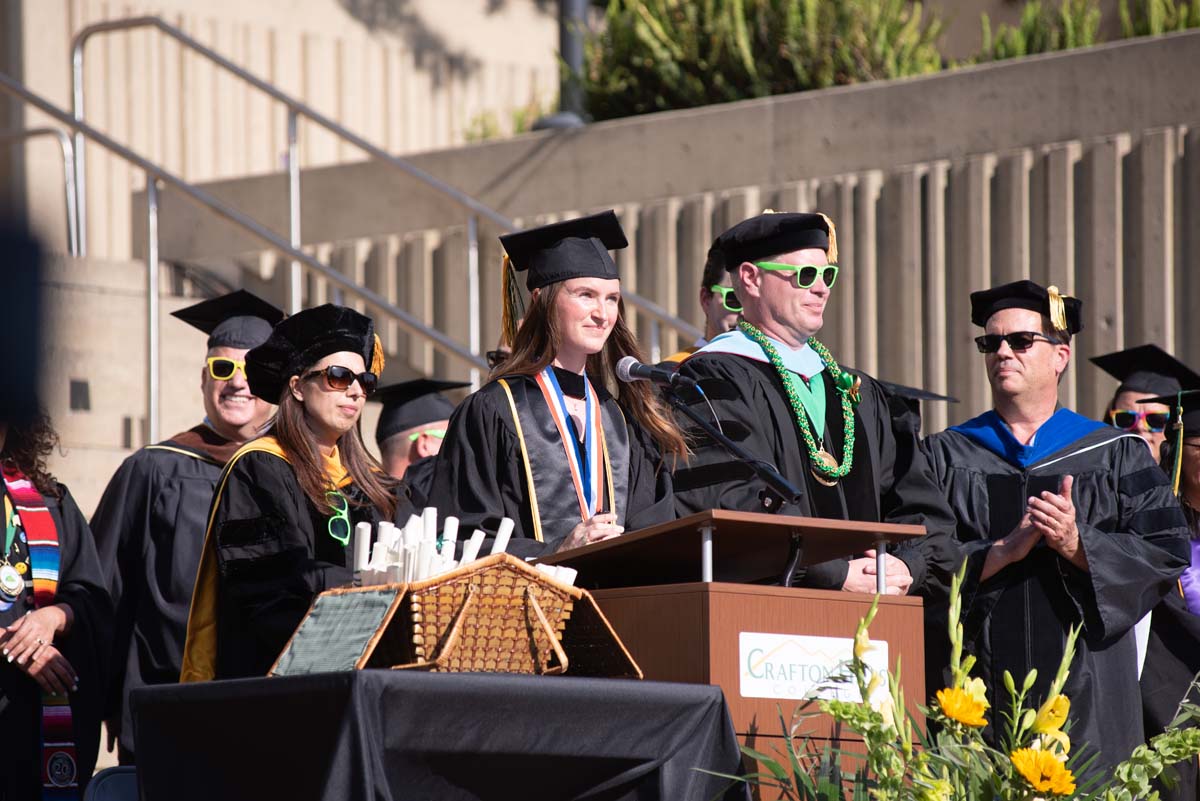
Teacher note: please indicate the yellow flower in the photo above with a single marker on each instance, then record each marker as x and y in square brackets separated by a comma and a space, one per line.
[1049, 722]
[862, 644]
[962, 705]
[1043, 771]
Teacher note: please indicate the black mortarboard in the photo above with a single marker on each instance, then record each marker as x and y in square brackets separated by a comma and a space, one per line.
[1148, 368]
[237, 320]
[773, 234]
[1185, 408]
[904, 403]
[304, 339]
[410, 404]
[1065, 312]
[569, 249]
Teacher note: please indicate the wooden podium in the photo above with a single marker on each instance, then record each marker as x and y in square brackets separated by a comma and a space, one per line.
[680, 627]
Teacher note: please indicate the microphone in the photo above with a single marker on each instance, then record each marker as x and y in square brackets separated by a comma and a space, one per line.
[630, 369]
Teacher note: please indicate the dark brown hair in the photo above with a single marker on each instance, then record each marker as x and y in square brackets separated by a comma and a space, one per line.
[297, 441]
[714, 270]
[538, 340]
[27, 446]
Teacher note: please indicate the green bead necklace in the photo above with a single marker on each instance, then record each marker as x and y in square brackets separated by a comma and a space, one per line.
[824, 467]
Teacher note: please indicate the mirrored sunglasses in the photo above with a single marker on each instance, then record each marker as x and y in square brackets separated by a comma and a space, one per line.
[222, 368]
[805, 274]
[1018, 340]
[340, 378]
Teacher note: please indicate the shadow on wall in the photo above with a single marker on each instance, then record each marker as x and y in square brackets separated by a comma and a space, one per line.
[429, 47]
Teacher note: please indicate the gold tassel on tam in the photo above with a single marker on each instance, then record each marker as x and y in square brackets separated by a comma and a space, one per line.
[1058, 310]
[377, 360]
[832, 253]
[1177, 468]
[513, 307]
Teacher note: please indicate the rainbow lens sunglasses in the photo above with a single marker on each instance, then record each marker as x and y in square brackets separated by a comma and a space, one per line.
[222, 368]
[728, 298]
[806, 274]
[340, 378]
[1128, 419]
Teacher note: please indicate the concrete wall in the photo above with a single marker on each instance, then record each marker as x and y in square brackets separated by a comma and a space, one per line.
[409, 75]
[1080, 169]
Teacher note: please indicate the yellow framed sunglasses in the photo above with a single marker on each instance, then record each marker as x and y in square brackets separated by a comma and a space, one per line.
[222, 368]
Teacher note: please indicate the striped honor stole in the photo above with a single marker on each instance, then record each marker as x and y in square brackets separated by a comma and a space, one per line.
[583, 458]
[59, 779]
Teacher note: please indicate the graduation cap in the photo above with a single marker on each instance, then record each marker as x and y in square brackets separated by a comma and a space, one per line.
[773, 233]
[239, 319]
[410, 404]
[905, 403]
[1065, 312]
[305, 338]
[1184, 422]
[1148, 368]
[548, 254]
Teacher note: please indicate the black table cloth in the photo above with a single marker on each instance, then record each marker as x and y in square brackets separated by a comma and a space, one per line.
[396, 735]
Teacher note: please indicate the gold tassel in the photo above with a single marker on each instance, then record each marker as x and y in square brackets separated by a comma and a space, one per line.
[1177, 468]
[377, 360]
[511, 313]
[1058, 310]
[832, 252]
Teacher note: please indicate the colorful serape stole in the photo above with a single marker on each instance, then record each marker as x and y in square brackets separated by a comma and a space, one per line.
[59, 780]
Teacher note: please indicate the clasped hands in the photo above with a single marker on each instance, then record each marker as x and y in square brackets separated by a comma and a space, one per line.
[1049, 517]
[29, 645]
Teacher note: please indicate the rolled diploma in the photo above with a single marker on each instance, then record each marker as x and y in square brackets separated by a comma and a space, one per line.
[471, 549]
[429, 522]
[566, 574]
[500, 544]
[449, 535]
[362, 546]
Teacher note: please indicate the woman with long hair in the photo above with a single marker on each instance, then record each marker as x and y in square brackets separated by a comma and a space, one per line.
[546, 442]
[55, 619]
[286, 505]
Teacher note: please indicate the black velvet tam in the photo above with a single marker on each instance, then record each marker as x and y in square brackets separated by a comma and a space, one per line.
[1022, 295]
[239, 319]
[305, 338]
[772, 234]
[569, 249]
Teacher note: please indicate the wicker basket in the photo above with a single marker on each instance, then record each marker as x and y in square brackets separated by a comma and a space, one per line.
[496, 614]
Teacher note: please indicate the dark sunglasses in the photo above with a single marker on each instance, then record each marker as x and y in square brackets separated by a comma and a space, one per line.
[340, 378]
[728, 299]
[1127, 419]
[1018, 340]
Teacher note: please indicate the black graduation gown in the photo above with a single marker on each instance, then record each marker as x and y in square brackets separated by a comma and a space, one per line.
[479, 475]
[149, 528]
[81, 585]
[1172, 663]
[418, 480]
[274, 555]
[1135, 539]
[889, 482]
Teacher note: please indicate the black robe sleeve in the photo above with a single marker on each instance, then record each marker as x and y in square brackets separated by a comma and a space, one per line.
[81, 586]
[651, 496]
[270, 561]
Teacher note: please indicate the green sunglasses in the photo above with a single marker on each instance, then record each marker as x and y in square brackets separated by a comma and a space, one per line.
[339, 523]
[806, 274]
[440, 433]
[728, 299]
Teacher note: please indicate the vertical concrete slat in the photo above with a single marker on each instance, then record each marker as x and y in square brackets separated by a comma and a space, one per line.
[935, 416]
[1188, 219]
[449, 310]
[416, 280]
[1150, 264]
[1010, 217]
[694, 236]
[866, 270]
[901, 354]
[1100, 275]
[969, 270]
[628, 266]
[318, 147]
[835, 197]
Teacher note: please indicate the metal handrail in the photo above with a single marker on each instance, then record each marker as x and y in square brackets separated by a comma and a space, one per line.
[473, 206]
[68, 156]
[154, 174]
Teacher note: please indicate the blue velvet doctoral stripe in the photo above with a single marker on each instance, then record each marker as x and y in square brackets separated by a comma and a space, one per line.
[990, 431]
